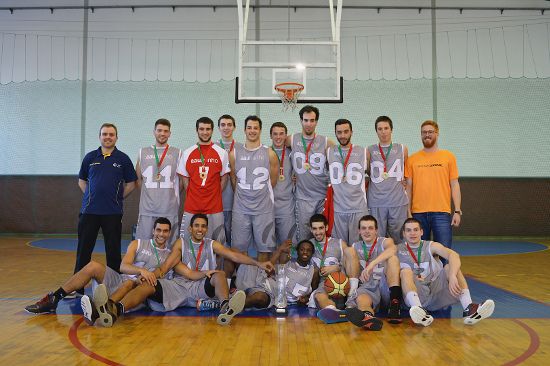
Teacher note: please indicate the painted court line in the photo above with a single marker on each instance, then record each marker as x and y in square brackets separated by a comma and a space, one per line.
[73, 337]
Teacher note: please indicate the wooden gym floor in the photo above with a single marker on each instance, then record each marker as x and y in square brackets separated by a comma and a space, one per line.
[519, 333]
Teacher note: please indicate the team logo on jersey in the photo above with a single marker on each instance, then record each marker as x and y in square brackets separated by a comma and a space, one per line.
[117, 165]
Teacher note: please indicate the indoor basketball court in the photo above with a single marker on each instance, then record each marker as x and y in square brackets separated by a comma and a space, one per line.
[479, 68]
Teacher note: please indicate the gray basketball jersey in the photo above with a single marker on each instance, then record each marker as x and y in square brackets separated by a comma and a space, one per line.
[298, 280]
[207, 258]
[159, 194]
[333, 254]
[227, 193]
[388, 192]
[430, 266]
[349, 193]
[363, 250]
[311, 184]
[283, 191]
[253, 191]
[146, 255]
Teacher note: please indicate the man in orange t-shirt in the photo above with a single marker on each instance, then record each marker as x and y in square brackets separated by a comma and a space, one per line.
[432, 181]
[204, 169]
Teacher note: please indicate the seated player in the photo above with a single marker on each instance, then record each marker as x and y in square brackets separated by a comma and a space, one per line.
[380, 269]
[195, 278]
[331, 255]
[302, 276]
[142, 257]
[430, 286]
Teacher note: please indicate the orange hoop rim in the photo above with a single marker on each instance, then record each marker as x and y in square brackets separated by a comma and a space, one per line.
[289, 86]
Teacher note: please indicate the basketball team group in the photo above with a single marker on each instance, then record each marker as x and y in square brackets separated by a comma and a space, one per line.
[358, 233]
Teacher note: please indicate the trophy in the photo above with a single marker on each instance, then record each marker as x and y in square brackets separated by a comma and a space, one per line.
[280, 295]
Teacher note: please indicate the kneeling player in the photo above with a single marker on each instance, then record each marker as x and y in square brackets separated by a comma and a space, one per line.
[301, 277]
[380, 269]
[141, 258]
[195, 279]
[331, 255]
[428, 285]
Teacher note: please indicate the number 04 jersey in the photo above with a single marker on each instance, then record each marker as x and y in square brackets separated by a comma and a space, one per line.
[160, 191]
[387, 190]
[347, 176]
[204, 167]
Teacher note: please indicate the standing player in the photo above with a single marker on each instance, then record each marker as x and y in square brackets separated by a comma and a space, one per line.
[141, 258]
[106, 177]
[347, 166]
[254, 172]
[160, 185]
[387, 198]
[301, 276]
[309, 164]
[283, 192]
[226, 125]
[430, 286]
[379, 277]
[432, 180]
[204, 168]
[331, 255]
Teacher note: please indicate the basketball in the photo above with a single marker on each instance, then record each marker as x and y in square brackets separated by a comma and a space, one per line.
[337, 285]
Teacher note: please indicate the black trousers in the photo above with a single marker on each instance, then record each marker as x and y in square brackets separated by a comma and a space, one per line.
[88, 228]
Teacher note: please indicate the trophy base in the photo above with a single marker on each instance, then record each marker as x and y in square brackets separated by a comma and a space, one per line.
[281, 312]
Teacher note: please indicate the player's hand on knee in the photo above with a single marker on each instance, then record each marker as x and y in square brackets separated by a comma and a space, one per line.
[454, 286]
[149, 277]
[326, 270]
[210, 273]
[367, 272]
[266, 266]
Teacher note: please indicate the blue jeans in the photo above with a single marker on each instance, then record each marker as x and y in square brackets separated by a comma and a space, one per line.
[438, 223]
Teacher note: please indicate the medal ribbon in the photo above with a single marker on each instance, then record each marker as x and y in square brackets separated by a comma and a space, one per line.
[200, 152]
[306, 150]
[159, 163]
[281, 160]
[318, 246]
[347, 156]
[367, 255]
[230, 148]
[417, 260]
[197, 257]
[156, 252]
[385, 156]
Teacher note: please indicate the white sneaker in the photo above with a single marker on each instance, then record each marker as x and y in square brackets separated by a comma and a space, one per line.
[475, 312]
[420, 316]
[232, 308]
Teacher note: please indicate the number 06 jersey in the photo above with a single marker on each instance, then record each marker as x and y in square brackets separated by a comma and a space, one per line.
[160, 191]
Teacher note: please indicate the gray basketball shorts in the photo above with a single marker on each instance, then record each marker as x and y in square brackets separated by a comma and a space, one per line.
[304, 211]
[345, 226]
[377, 290]
[179, 291]
[435, 295]
[145, 228]
[258, 229]
[112, 280]
[252, 279]
[216, 228]
[390, 220]
[285, 228]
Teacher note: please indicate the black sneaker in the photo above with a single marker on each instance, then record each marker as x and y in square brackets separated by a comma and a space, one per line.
[88, 310]
[476, 312]
[394, 312]
[47, 304]
[365, 320]
[105, 308]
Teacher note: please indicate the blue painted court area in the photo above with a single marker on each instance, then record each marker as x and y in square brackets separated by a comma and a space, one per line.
[465, 248]
[508, 306]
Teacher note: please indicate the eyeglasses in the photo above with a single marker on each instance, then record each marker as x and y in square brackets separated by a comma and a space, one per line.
[432, 132]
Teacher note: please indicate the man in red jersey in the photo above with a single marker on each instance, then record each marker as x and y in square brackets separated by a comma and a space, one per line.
[204, 169]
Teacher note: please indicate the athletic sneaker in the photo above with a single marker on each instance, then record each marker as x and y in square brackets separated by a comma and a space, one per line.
[365, 320]
[104, 307]
[419, 315]
[476, 312]
[234, 306]
[208, 304]
[88, 310]
[394, 312]
[47, 304]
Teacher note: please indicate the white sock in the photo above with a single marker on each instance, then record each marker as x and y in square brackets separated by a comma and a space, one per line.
[353, 284]
[331, 307]
[465, 298]
[229, 282]
[412, 299]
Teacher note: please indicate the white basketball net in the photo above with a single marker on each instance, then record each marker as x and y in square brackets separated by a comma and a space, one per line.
[289, 94]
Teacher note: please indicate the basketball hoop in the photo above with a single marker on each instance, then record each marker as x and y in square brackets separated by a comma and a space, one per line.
[289, 93]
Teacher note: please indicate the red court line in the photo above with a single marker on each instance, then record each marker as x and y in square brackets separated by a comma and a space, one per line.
[534, 343]
[73, 337]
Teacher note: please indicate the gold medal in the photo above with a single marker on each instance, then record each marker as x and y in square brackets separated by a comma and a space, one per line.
[281, 177]
[158, 177]
[385, 175]
[306, 166]
[202, 172]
